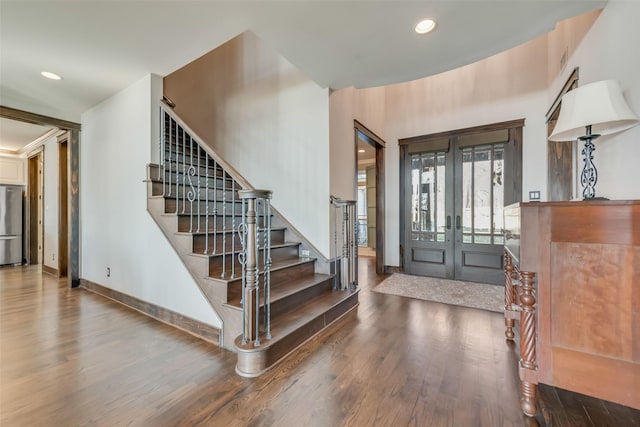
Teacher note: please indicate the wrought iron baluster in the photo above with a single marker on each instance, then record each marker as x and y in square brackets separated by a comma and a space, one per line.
[206, 198]
[191, 194]
[177, 160]
[233, 227]
[215, 207]
[256, 273]
[242, 256]
[170, 154]
[267, 267]
[184, 172]
[224, 226]
[161, 147]
[199, 196]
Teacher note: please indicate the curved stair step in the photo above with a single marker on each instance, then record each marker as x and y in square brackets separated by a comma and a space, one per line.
[291, 330]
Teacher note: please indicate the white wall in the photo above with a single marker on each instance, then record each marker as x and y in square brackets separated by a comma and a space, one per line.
[345, 105]
[116, 230]
[610, 51]
[13, 170]
[511, 85]
[51, 202]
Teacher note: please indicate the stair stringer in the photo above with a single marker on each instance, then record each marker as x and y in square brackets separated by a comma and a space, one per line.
[214, 291]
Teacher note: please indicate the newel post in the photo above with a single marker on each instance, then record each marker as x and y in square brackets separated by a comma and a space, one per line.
[249, 259]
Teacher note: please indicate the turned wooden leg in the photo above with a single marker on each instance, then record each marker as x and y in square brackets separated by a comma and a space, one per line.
[528, 382]
[509, 296]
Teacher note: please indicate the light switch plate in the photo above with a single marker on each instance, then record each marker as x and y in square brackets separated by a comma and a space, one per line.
[534, 195]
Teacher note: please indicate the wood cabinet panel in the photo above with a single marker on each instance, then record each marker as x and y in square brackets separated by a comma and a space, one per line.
[585, 258]
[635, 301]
[592, 299]
[599, 223]
[591, 374]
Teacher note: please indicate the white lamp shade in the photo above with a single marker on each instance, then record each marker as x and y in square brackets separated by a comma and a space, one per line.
[599, 105]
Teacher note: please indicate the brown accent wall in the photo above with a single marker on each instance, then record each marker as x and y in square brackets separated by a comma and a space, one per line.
[268, 120]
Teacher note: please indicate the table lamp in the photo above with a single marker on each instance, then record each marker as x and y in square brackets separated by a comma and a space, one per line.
[586, 113]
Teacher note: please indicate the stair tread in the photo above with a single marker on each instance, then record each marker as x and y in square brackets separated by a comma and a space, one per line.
[288, 323]
[273, 246]
[276, 265]
[292, 286]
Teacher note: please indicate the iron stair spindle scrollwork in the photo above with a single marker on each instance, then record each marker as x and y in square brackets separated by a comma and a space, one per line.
[191, 193]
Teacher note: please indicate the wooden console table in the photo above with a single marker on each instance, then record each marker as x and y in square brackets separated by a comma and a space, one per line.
[572, 282]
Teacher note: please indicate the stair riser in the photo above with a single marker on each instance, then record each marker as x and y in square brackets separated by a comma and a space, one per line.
[182, 167]
[228, 208]
[254, 364]
[215, 224]
[277, 254]
[180, 176]
[171, 166]
[179, 189]
[234, 290]
[179, 179]
[294, 301]
[232, 241]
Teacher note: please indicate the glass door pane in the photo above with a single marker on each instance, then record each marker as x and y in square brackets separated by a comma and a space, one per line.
[428, 197]
[482, 194]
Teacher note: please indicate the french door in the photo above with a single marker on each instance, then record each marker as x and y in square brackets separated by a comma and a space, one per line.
[453, 198]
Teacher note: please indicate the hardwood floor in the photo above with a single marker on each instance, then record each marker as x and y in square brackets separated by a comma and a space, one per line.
[70, 357]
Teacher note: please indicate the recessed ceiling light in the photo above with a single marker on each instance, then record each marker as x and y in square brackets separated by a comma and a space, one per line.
[49, 75]
[425, 26]
[360, 151]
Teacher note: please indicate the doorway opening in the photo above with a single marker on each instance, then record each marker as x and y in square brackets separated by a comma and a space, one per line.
[370, 194]
[35, 212]
[71, 156]
[63, 205]
[454, 187]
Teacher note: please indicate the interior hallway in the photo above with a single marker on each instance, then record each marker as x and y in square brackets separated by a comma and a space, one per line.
[70, 357]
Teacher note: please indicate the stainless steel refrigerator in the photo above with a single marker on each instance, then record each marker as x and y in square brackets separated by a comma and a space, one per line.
[11, 224]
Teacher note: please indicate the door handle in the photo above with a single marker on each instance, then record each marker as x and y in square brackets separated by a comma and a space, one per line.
[448, 222]
[457, 222]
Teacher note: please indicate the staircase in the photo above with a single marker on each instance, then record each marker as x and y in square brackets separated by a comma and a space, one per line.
[193, 197]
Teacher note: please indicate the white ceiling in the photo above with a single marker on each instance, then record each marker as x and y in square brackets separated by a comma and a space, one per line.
[16, 135]
[101, 47]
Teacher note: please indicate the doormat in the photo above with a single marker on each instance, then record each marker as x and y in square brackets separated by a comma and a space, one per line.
[454, 292]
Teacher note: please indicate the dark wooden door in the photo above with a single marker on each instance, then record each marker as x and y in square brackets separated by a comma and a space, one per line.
[428, 207]
[453, 202]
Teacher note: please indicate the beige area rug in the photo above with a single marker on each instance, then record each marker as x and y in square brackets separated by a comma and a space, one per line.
[454, 292]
